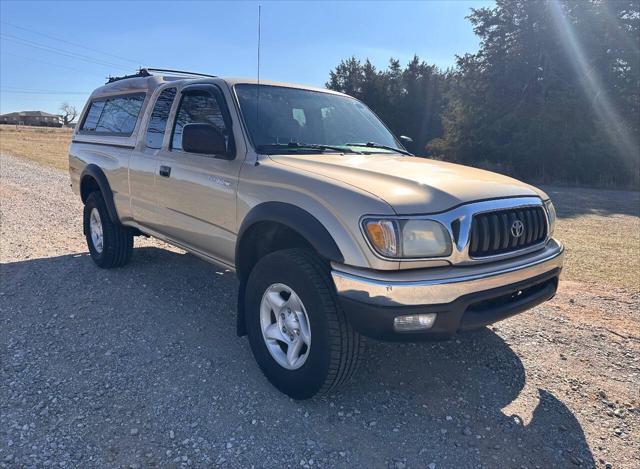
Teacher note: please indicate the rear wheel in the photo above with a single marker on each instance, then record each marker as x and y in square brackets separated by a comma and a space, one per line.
[298, 333]
[110, 244]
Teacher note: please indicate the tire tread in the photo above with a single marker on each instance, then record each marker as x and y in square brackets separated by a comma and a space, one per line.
[117, 253]
[346, 345]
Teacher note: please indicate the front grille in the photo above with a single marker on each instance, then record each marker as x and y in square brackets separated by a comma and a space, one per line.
[495, 232]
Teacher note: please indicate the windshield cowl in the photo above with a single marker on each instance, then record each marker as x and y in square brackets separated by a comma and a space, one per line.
[295, 147]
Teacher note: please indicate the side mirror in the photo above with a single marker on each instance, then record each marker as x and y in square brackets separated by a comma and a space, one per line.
[406, 139]
[203, 138]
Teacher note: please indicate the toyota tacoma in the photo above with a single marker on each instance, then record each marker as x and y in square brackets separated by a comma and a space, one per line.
[334, 230]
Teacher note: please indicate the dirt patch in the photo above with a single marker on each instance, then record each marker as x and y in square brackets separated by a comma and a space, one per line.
[583, 304]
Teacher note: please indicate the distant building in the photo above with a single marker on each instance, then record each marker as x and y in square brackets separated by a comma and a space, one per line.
[36, 118]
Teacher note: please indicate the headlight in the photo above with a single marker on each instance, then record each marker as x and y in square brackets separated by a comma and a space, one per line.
[408, 238]
[551, 214]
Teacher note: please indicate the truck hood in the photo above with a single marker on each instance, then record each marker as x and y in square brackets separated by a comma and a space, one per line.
[410, 184]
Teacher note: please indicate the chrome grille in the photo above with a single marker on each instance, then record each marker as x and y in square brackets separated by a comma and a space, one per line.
[507, 230]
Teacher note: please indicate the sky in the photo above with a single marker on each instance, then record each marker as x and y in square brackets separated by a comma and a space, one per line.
[54, 52]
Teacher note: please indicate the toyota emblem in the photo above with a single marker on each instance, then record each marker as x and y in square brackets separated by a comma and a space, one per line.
[517, 228]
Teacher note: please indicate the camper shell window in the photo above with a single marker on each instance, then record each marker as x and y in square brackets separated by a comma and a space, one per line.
[114, 115]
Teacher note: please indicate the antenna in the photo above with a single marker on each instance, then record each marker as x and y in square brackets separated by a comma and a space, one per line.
[258, 85]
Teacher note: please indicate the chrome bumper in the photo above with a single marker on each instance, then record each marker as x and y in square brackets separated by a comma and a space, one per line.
[442, 284]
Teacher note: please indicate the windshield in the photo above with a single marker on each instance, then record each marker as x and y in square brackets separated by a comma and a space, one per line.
[293, 118]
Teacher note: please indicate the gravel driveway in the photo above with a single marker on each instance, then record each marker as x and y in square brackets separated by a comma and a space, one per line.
[140, 367]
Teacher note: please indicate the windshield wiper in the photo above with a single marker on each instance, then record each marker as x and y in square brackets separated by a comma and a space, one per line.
[377, 145]
[303, 146]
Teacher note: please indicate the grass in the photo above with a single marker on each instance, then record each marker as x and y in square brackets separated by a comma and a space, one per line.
[600, 228]
[601, 232]
[44, 145]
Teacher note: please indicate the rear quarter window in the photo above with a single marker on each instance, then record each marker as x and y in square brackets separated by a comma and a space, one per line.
[159, 117]
[115, 115]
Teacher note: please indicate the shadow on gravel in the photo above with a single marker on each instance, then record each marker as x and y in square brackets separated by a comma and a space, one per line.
[460, 389]
[141, 365]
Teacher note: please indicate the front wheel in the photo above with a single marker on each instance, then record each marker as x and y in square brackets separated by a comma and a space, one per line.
[298, 333]
[110, 244]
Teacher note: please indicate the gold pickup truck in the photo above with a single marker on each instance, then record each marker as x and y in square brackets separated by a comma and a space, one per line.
[335, 231]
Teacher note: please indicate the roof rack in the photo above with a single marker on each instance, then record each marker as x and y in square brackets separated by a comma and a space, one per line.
[140, 73]
[148, 72]
[169, 72]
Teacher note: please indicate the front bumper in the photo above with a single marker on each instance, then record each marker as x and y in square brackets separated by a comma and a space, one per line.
[464, 298]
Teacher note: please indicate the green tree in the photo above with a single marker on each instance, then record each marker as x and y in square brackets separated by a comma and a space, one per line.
[551, 95]
[409, 100]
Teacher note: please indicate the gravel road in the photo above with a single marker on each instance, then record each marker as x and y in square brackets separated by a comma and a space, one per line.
[141, 367]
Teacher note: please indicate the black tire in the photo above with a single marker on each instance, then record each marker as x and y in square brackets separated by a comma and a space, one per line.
[335, 347]
[117, 239]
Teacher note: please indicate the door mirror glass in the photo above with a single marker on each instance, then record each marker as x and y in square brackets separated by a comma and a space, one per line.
[203, 138]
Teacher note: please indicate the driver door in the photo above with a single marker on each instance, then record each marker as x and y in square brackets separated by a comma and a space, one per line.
[197, 192]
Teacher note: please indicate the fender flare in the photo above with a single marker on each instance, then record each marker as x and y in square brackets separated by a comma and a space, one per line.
[93, 171]
[298, 220]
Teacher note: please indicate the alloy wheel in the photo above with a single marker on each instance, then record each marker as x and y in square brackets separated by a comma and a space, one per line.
[95, 228]
[285, 326]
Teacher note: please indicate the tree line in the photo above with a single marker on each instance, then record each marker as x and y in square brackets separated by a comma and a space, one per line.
[552, 95]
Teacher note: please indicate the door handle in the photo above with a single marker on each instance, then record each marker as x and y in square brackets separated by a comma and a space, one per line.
[165, 171]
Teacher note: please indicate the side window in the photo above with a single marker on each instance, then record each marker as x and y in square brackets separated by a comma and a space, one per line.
[115, 116]
[91, 121]
[159, 116]
[197, 108]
